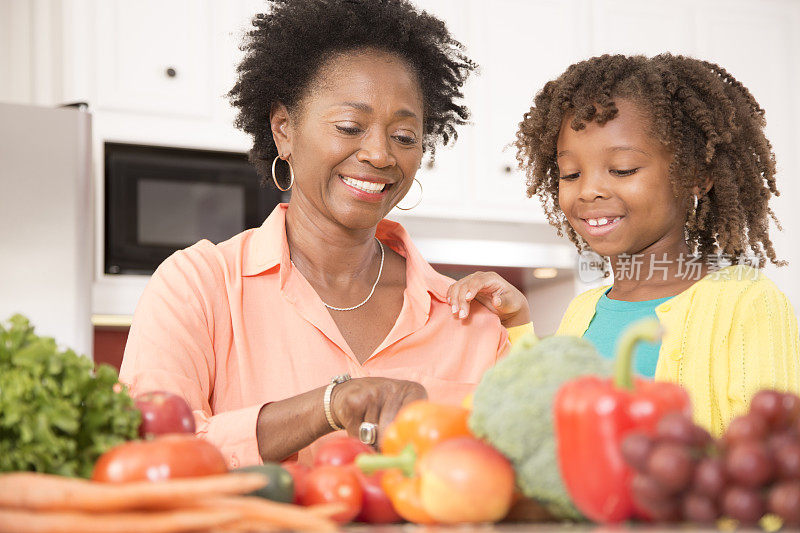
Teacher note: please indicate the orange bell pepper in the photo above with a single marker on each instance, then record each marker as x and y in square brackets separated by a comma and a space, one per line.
[424, 424]
[461, 480]
[404, 493]
[416, 429]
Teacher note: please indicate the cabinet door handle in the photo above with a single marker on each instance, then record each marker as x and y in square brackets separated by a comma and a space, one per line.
[507, 169]
[171, 72]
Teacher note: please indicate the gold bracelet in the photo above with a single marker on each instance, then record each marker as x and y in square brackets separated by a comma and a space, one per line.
[326, 400]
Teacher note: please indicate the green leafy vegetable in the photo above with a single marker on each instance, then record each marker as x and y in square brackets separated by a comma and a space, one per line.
[58, 413]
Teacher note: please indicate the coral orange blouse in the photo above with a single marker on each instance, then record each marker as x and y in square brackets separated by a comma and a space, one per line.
[233, 326]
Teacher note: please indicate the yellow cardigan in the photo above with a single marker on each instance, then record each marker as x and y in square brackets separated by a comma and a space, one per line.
[726, 337]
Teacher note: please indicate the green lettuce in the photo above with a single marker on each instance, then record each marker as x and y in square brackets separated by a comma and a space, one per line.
[58, 413]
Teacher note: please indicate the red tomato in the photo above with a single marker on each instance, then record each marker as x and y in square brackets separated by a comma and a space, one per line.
[299, 474]
[340, 451]
[165, 457]
[164, 412]
[335, 484]
[376, 507]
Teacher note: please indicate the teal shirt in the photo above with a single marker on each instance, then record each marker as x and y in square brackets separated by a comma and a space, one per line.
[611, 317]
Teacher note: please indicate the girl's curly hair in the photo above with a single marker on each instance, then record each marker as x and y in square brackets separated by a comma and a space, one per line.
[291, 42]
[709, 121]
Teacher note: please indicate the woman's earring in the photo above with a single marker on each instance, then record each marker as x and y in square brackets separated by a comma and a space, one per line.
[696, 201]
[418, 201]
[275, 178]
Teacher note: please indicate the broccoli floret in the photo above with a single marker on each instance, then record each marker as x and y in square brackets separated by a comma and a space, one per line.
[513, 410]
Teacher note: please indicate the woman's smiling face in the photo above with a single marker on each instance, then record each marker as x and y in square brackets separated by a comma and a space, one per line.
[355, 141]
[614, 186]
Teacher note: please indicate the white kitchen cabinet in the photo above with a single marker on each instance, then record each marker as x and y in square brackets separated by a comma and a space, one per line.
[649, 28]
[154, 56]
[758, 43]
[446, 181]
[519, 45]
[478, 178]
[231, 22]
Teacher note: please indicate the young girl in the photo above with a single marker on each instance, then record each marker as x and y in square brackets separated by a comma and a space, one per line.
[661, 166]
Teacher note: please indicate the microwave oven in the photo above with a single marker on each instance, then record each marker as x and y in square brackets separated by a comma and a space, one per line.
[159, 200]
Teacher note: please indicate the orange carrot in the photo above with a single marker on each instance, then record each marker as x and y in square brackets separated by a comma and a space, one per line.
[284, 515]
[17, 521]
[246, 526]
[30, 490]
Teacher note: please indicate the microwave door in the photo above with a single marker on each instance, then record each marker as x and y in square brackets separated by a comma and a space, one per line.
[162, 200]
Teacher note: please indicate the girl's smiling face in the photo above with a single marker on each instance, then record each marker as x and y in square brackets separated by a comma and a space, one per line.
[614, 186]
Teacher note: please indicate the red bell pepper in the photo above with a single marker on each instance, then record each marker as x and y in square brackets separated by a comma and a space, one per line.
[593, 416]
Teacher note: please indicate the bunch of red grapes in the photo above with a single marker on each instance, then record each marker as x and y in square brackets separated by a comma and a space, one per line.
[682, 473]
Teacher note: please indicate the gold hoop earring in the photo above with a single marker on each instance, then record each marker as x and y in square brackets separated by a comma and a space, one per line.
[275, 178]
[418, 201]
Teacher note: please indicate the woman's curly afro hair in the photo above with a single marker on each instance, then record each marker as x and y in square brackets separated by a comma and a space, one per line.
[291, 42]
[709, 121]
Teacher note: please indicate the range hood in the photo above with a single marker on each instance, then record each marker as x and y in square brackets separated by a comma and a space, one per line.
[489, 243]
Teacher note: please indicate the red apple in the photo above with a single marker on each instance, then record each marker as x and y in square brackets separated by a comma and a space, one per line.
[164, 412]
[464, 480]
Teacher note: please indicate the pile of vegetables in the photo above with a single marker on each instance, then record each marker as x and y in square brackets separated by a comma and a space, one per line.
[593, 415]
[33, 502]
[58, 413]
[61, 419]
[548, 421]
[334, 479]
[435, 472]
[513, 411]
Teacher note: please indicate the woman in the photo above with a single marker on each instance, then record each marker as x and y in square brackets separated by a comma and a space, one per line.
[341, 99]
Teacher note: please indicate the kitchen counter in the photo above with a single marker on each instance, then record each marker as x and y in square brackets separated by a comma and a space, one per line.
[541, 527]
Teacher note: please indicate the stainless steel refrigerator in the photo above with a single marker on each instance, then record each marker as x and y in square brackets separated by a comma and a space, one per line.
[47, 221]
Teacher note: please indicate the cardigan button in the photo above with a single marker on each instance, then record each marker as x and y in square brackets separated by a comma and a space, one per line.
[666, 307]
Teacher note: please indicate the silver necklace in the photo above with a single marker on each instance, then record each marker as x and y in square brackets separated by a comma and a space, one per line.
[371, 292]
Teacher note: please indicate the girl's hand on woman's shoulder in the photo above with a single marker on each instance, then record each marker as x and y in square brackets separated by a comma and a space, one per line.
[495, 293]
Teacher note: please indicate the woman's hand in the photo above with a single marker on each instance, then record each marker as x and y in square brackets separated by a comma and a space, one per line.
[495, 293]
[375, 400]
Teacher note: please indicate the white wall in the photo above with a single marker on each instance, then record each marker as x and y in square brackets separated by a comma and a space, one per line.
[548, 300]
